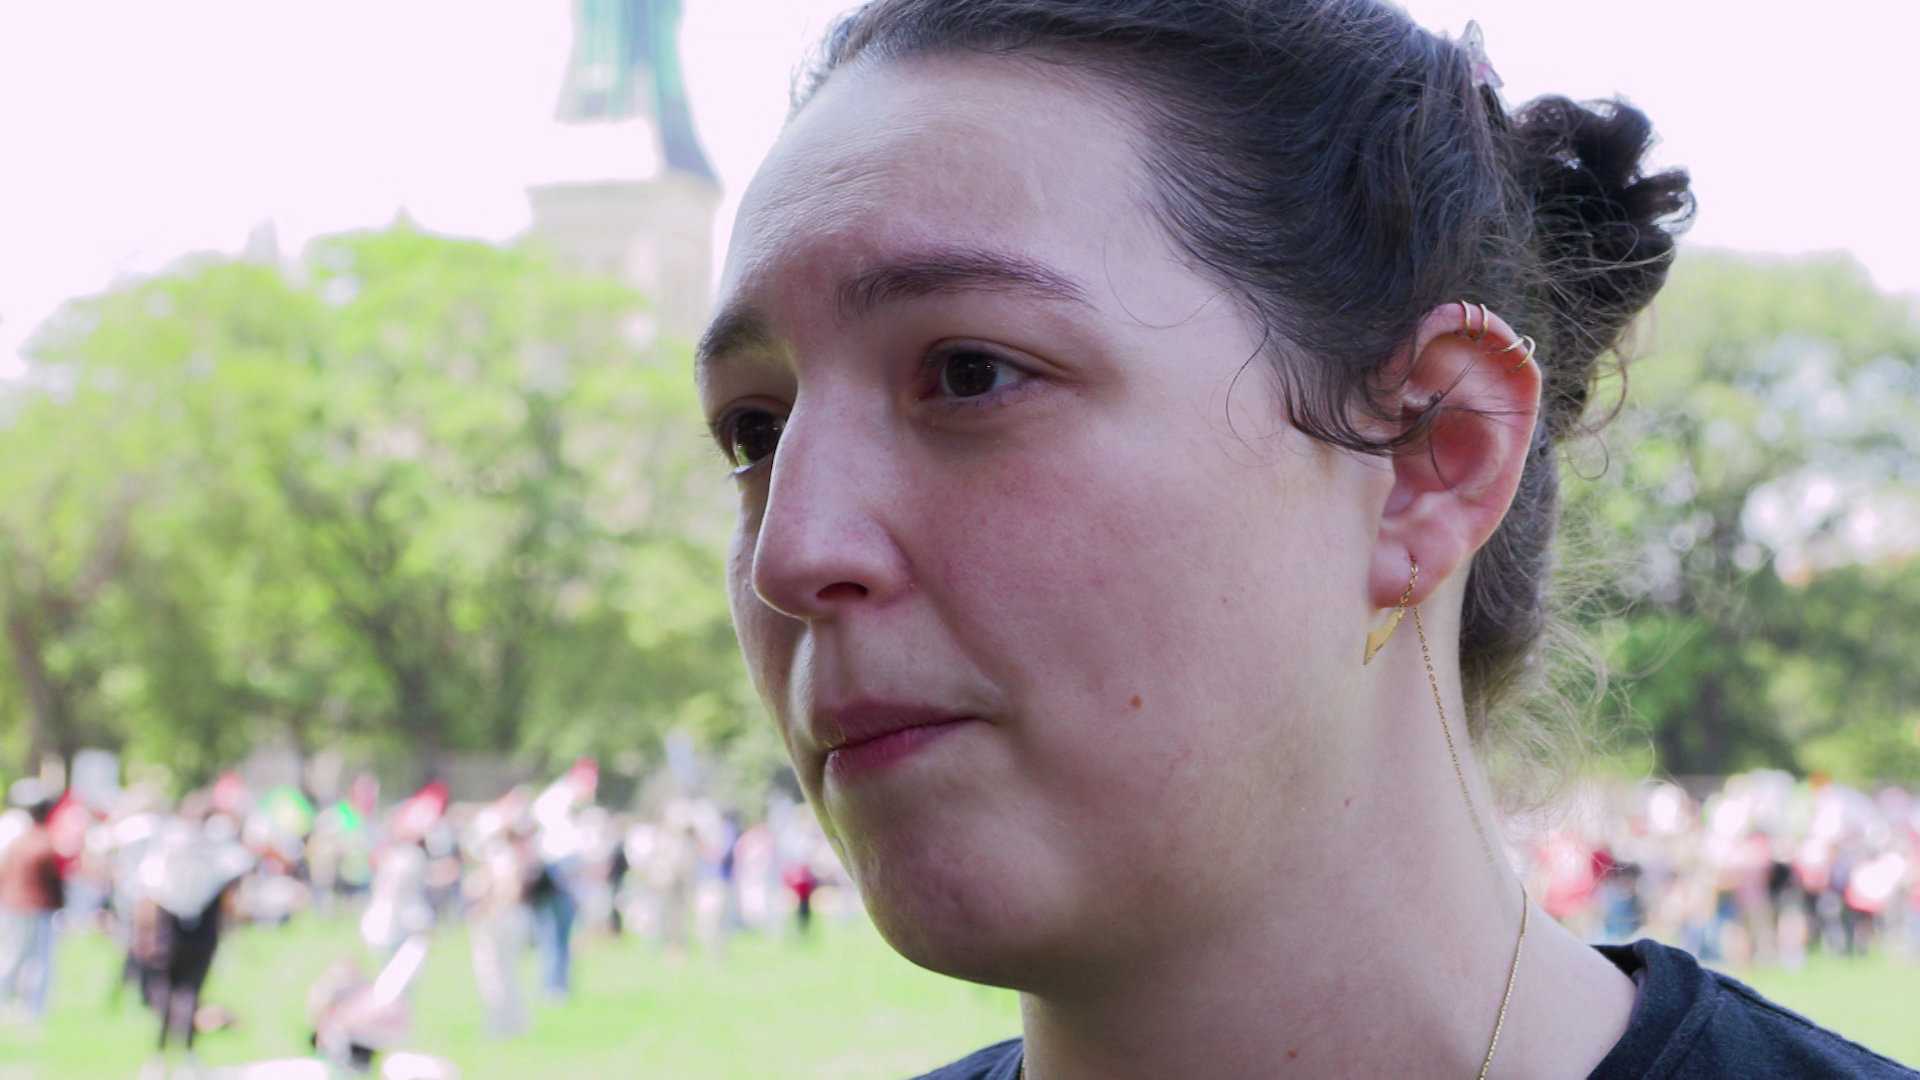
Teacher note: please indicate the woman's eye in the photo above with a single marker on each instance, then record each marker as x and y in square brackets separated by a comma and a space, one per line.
[970, 373]
[751, 436]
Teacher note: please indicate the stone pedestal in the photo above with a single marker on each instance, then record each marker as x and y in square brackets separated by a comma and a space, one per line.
[655, 235]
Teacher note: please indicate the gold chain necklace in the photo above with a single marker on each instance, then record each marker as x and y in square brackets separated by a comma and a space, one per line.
[1375, 640]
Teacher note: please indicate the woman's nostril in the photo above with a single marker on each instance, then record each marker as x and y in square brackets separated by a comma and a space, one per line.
[843, 590]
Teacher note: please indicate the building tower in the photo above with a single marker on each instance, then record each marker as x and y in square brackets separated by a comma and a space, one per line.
[656, 234]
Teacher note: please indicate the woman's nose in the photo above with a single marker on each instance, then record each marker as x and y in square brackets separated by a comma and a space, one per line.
[827, 541]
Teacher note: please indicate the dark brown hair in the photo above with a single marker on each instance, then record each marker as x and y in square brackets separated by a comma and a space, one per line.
[1338, 168]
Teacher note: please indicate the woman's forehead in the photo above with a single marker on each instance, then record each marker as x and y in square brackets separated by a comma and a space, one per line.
[973, 152]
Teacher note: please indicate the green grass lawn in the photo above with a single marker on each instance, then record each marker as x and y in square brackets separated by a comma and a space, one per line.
[1873, 1001]
[842, 1008]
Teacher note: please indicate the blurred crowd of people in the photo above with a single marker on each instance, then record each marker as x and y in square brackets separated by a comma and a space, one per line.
[1761, 870]
[533, 871]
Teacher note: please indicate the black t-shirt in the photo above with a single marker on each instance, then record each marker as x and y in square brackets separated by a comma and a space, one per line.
[1688, 1024]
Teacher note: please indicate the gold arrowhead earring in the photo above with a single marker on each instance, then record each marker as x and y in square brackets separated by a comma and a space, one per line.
[1377, 639]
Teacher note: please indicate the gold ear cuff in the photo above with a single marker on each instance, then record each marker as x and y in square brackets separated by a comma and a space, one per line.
[1525, 360]
[1474, 321]
[1468, 328]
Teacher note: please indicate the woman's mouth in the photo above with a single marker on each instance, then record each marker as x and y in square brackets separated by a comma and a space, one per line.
[868, 737]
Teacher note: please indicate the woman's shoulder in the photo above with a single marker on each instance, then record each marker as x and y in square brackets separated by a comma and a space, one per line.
[1690, 1023]
[1001, 1061]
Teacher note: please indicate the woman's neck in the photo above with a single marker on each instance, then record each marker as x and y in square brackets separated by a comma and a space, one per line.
[1381, 948]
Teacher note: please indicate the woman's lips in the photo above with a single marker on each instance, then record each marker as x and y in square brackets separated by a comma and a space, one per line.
[872, 738]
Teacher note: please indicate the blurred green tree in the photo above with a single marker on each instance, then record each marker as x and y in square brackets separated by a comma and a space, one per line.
[417, 492]
[1757, 506]
[63, 539]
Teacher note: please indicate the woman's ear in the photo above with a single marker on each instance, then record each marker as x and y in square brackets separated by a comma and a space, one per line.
[1474, 396]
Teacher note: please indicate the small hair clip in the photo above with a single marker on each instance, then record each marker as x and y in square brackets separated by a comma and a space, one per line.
[1475, 42]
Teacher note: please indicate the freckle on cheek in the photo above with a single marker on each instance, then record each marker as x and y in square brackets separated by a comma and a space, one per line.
[1135, 702]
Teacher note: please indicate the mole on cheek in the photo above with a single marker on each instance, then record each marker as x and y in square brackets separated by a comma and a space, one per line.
[1135, 702]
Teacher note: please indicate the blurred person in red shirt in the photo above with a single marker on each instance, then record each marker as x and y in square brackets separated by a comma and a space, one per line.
[31, 890]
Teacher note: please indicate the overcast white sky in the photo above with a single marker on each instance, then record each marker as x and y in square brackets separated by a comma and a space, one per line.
[135, 131]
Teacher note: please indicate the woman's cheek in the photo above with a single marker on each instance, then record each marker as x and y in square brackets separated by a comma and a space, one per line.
[1071, 564]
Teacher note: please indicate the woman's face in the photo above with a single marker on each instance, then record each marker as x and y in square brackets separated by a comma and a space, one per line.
[1055, 613]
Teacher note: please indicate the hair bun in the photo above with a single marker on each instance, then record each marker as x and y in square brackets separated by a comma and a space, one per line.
[1603, 231]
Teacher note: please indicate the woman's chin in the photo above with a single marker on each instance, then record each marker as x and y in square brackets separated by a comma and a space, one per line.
[979, 948]
[984, 927]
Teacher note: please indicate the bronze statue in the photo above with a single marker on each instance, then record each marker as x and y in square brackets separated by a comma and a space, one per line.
[626, 63]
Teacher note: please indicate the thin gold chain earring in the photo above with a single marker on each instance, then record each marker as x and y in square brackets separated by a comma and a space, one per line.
[1377, 639]
[1473, 812]
[1440, 705]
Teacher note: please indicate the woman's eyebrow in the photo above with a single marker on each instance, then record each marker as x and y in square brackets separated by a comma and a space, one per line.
[951, 270]
[736, 329]
[741, 327]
